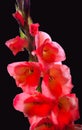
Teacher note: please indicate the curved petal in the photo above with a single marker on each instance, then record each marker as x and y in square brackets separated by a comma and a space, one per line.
[49, 52]
[18, 101]
[26, 74]
[16, 44]
[41, 37]
[57, 81]
[43, 124]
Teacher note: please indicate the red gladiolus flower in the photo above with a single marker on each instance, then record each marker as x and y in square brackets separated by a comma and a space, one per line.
[66, 110]
[57, 81]
[50, 52]
[26, 74]
[33, 29]
[16, 44]
[33, 105]
[18, 16]
[38, 105]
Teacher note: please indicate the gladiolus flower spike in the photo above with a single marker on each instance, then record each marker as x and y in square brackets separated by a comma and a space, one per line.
[46, 99]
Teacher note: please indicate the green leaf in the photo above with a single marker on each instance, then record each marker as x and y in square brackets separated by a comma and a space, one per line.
[22, 34]
[30, 20]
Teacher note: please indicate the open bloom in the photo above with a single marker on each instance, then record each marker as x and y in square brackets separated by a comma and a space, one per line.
[26, 74]
[16, 44]
[57, 81]
[66, 110]
[49, 52]
[34, 105]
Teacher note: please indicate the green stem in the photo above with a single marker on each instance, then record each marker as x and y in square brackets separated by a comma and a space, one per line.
[39, 89]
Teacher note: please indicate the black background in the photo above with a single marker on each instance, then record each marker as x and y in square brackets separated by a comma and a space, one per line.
[60, 19]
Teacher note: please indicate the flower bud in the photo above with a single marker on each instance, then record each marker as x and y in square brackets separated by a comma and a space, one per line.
[26, 7]
[19, 4]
